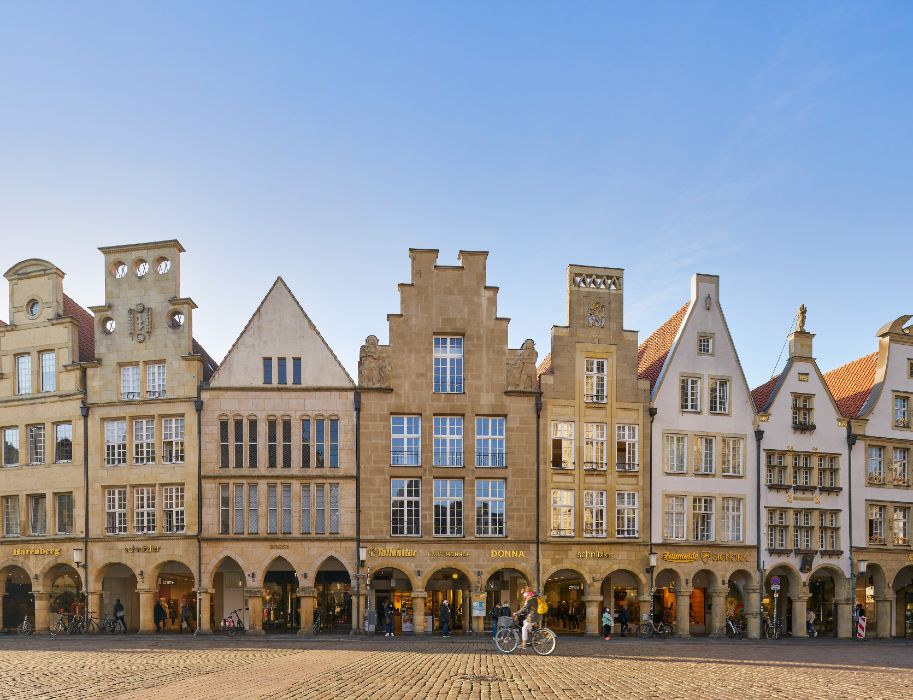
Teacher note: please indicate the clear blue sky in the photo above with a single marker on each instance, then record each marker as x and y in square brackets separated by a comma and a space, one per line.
[771, 144]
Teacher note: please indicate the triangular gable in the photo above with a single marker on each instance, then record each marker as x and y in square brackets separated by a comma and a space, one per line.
[653, 353]
[852, 383]
[280, 327]
[772, 387]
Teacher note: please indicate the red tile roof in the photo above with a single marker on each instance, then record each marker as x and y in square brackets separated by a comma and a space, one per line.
[86, 323]
[2, 323]
[761, 394]
[852, 383]
[545, 367]
[652, 353]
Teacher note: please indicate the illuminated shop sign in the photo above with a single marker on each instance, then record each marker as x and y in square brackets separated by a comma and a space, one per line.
[36, 551]
[703, 556]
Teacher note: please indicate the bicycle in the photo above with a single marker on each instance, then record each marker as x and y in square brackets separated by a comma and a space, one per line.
[59, 627]
[25, 627]
[77, 625]
[772, 628]
[734, 629]
[90, 624]
[649, 628]
[542, 639]
[108, 624]
[233, 624]
[317, 622]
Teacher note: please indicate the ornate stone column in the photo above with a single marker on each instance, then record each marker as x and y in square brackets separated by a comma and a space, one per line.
[418, 611]
[593, 613]
[307, 599]
[717, 612]
[42, 611]
[253, 599]
[205, 604]
[146, 610]
[753, 610]
[845, 628]
[884, 613]
[800, 609]
[683, 613]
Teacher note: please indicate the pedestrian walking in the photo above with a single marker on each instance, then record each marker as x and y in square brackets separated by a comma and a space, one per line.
[623, 620]
[185, 617]
[159, 615]
[389, 615]
[607, 624]
[120, 617]
[172, 611]
[445, 618]
[810, 623]
[494, 615]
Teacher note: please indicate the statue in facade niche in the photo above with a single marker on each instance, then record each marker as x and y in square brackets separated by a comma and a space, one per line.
[373, 364]
[521, 367]
[800, 319]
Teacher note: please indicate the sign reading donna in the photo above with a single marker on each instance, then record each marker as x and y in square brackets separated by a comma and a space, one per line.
[36, 551]
[703, 556]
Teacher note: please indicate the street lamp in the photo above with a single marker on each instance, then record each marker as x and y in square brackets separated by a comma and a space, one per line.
[651, 569]
[79, 560]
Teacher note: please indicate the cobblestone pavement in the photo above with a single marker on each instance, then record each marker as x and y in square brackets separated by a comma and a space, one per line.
[184, 668]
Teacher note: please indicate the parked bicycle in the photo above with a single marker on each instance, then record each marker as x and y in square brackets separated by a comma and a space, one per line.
[233, 624]
[108, 624]
[25, 627]
[649, 628]
[542, 639]
[317, 622]
[60, 626]
[772, 628]
[734, 629]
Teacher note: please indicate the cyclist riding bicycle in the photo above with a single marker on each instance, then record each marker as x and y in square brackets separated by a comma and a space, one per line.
[529, 613]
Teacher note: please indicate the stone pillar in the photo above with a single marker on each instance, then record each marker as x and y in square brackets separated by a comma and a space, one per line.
[146, 611]
[467, 615]
[42, 619]
[645, 603]
[845, 628]
[717, 612]
[95, 604]
[307, 599]
[418, 610]
[753, 610]
[799, 603]
[883, 616]
[593, 614]
[253, 601]
[683, 613]
[205, 604]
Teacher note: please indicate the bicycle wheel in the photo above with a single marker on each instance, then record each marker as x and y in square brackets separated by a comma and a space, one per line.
[544, 641]
[665, 631]
[110, 625]
[55, 628]
[91, 627]
[25, 629]
[506, 640]
[730, 632]
[645, 631]
[230, 628]
[769, 631]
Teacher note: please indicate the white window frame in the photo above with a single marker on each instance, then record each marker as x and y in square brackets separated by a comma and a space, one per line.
[595, 446]
[156, 386]
[491, 441]
[446, 499]
[563, 431]
[36, 441]
[703, 518]
[732, 457]
[594, 513]
[627, 441]
[690, 394]
[115, 442]
[876, 523]
[405, 441]
[409, 507]
[732, 525]
[38, 514]
[675, 453]
[116, 511]
[900, 526]
[562, 513]
[705, 460]
[47, 364]
[143, 441]
[777, 529]
[803, 529]
[595, 380]
[875, 464]
[703, 339]
[491, 507]
[144, 510]
[900, 467]
[173, 440]
[448, 441]
[11, 516]
[901, 411]
[674, 523]
[23, 375]
[173, 513]
[129, 382]
[829, 530]
[62, 512]
[448, 364]
[719, 395]
[626, 515]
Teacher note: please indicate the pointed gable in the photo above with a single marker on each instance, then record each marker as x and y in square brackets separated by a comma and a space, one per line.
[281, 328]
[852, 383]
[652, 353]
[761, 394]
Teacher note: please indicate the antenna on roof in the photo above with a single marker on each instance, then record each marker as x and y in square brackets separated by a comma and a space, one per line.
[789, 331]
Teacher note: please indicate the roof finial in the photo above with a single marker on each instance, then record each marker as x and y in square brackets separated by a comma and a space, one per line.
[800, 319]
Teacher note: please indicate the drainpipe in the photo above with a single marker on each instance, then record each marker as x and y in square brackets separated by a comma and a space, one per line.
[357, 405]
[198, 405]
[84, 412]
[538, 494]
[851, 438]
[758, 436]
[651, 557]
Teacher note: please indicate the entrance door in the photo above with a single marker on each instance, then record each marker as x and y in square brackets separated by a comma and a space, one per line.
[18, 600]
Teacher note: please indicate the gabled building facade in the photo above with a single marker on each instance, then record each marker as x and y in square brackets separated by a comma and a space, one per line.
[278, 477]
[704, 476]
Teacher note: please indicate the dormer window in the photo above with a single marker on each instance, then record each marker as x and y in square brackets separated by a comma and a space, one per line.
[705, 345]
[803, 412]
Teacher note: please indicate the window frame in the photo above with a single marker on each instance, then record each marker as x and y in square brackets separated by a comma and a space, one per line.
[491, 441]
[24, 378]
[116, 505]
[47, 371]
[690, 393]
[675, 507]
[595, 443]
[447, 374]
[562, 516]
[627, 515]
[448, 500]
[411, 507]
[595, 512]
[593, 378]
[447, 434]
[493, 493]
[721, 399]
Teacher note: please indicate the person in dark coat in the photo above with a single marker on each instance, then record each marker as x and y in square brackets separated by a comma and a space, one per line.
[159, 615]
[623, 619]
[389, 615]
[445, 618]
[120, 617]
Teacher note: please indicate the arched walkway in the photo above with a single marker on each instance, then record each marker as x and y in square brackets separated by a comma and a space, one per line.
[280, 592]
[903, 597]
[701, 601]
[18, 600]
[334, 595]
[504, 587]
[450, 585]
[64, 586]
[564, 590]
[826, 585]
[873, 600]
[775, 604]
[118, 583]
[622, 591]
[391, 586]
[175, 594]
[227, 586]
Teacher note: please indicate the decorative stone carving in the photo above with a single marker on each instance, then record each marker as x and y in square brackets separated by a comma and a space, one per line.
[373, 364]
[521, 367]
[596, 315]
[800, 319]
[139, 322]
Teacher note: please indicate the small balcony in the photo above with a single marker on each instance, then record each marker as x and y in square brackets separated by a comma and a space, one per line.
[448, 458]
[595, 466]
[594, 398]
[804, 488]
[490, 459]
[405, 458]
[804, 427]
[626, 466]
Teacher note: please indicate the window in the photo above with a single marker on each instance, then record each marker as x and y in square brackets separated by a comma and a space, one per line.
[238, 510]
[172, 440]
[777, 529]
[320, 509]
[448, 508]
[448, 365]
[116, 511]
[562, 445]
[732, 457]
[405, 441]
[776, 469]
[876, 465]
[296, 370]
[267, 370]
[900, 468]
[253, 509]
[901, 411]
[305, 442]
[702, 518]
[286, 443]
[802, 470]
[490, 507]
[224, 510]
[626, 448]
[827, 472]
[334, 443]
[674, 518]
[64, 508]
[272, 449]
[595, 455]
[144, 441]
[705, 455]
[595, 381]
[719, 396]
[238, 436]
[115, 443]
[63, 443]
[562, 513]
[876, 524]
[10, 446]
[448, 441]
[23, 375]
[36, 438]
[11, 516]
[334, 509]
[803, 412]
[305, 509]
[626, 514]
[272, 513]
[223, 444]
[674, 453]
[38, 515]
[129, 382]
[803, 532]
[594, 513]
[47, 361]
[732, 520]
[173, 508]
[405, 507]
[910, 368]
[319, 440]
[705, 345]
[282, 374]
[829, 534]
[490, 448]
[901, 526]
[691, 394]
[155, 381]
[144, 509]
[286, 509]
[252, 458]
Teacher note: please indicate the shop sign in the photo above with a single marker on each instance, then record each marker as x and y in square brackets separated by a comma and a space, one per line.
[508, 554]
[36, 551]
[703, 556]
[279, 546]
[448, 555]
[390, 552]
[142, 549]
[593, 554]
[910, 557]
